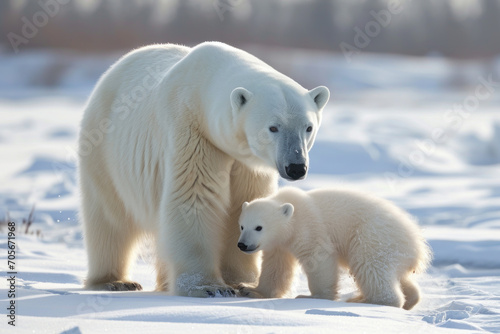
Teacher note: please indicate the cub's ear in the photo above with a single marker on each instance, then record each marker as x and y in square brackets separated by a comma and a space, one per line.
[287, 210]
[320, 96]
[245, 204]
[239, 97]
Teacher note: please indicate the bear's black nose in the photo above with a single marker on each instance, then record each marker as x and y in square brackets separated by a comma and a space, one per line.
[242, 246]
[296, 171]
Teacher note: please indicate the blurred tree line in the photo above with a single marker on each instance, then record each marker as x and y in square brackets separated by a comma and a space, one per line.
[454, 28]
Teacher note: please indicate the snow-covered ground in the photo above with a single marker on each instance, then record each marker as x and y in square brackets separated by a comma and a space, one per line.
[390, 129]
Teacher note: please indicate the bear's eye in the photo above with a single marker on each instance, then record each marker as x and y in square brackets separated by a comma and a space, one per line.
[309, 129]
[241, 228]
[273, 129]
[258, 228]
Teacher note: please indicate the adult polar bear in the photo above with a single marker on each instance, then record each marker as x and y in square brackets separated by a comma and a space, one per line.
[173, 141]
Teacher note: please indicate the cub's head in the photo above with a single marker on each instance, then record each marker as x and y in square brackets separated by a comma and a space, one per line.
[280, 125]
[262, 223]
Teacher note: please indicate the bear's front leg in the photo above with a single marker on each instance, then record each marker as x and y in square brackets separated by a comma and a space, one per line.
[192, 220]
[191, 242]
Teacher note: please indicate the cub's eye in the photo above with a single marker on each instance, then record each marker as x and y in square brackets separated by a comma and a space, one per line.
[258, 228]
[273, 129]
[241, 228]
[309, 129]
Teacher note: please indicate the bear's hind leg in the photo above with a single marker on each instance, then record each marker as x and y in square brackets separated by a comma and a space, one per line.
[239, 268]
[110, 251]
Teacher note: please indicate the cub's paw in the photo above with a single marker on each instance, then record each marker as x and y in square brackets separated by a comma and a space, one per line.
[315, 297]
[356, 299]
[117, 286]
[304, 296]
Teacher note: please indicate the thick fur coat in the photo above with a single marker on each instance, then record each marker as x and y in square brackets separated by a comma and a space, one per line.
[173, 141]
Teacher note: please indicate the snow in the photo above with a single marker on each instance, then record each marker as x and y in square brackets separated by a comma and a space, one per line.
[378, 135]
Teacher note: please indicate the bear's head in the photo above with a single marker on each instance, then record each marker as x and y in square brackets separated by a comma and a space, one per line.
[280, 125]
[262, 223]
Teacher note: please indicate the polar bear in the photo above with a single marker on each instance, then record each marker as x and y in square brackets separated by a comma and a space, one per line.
[173, 140]
[327, 228]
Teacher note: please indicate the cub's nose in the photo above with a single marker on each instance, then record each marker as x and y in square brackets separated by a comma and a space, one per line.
[242, 246]
[296, 171]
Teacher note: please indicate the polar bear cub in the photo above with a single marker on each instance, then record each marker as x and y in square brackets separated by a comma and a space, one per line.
[326, 228]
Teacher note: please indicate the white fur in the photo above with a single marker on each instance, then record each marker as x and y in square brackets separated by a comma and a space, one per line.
[324, 229]
[173, 140]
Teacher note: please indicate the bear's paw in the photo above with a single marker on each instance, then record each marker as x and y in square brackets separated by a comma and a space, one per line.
[210, 291]
[118, 286]
[249, 292]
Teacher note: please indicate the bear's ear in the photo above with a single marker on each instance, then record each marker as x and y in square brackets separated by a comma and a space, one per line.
[239, 97]
[287, 210]
[245, 204]
[320, 96]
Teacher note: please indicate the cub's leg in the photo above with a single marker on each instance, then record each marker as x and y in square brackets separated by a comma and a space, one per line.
[410, 291]
[276, 278]
[322, 277]
[378, 286]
